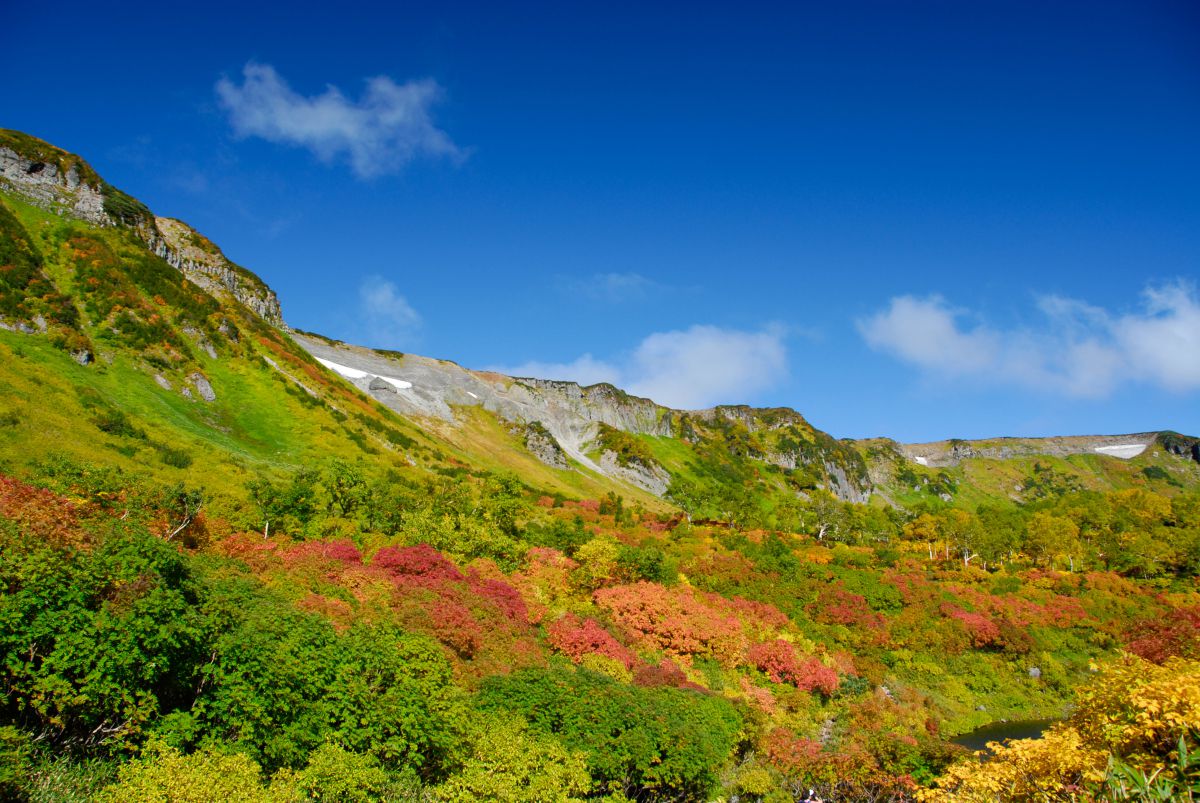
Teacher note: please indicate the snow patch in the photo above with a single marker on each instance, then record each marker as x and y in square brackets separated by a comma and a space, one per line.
[472, 395]
[344, 370]
[921, 461]
[1124, 451]
[354, 373]
[400, 383]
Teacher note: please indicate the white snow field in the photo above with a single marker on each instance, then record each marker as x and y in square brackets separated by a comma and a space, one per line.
[1124, 451]
[354, 373]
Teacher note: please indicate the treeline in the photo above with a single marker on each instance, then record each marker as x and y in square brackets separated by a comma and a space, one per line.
[1136, 532]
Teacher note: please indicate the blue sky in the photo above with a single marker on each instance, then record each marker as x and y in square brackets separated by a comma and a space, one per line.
[919, 220]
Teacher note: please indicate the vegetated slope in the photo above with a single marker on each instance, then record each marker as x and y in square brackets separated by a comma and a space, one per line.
[94, 267]
[393, 577]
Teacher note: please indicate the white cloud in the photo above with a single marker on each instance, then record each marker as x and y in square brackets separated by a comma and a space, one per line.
[385, 129]
[385, 315]
[1078, 350]
[688, 369]
[704, 365]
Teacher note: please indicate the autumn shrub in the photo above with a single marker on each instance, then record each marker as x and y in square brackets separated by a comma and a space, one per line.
[665, 673]
[779, 661]
[576, 638]
[983, 632]
[1175, 633]
[40, 513]
[677, 620]
[421, 562]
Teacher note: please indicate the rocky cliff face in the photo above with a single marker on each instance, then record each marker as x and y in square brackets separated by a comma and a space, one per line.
[56, 187]
[186, 250]
[60, 182]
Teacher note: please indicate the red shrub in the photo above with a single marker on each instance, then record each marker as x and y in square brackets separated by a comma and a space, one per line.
[501, 594]
[778, 660]
[815, 676]
[982, 630]
[840, 607]
[40, 512]
[455, 627]
[575, 639]
[666, 673]
[1175, 633]
[791, 753]
[760, 697]
[342, 550]
[421, 561]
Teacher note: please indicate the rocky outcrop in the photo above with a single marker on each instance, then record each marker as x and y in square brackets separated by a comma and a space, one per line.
[652, 478]
[844, 487]
[64, 184]
[202, 386]
[544, 447]
[48, 185]
[1180, 445]
[186, 250]
[570, 413]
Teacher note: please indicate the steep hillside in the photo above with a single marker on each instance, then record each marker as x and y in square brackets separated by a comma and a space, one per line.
[89, 272]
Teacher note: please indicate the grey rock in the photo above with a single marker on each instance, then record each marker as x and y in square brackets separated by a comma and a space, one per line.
[1034, 672]
[162, 381]
[654, 479]
[203, 386]
[378, 385]
[544, 447]
[82, 356]
[211, 270]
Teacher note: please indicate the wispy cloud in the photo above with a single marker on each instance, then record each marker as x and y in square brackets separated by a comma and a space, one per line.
[386, 128]
[689, 369]
[385, 315]
[1078, 349]
[611, 288]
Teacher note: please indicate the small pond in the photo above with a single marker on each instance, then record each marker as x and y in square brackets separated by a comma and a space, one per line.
[1003, 732]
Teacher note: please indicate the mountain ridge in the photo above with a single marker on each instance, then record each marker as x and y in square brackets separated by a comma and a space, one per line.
[567, 426]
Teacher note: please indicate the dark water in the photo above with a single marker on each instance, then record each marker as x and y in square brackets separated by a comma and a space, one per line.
[1002, 732]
